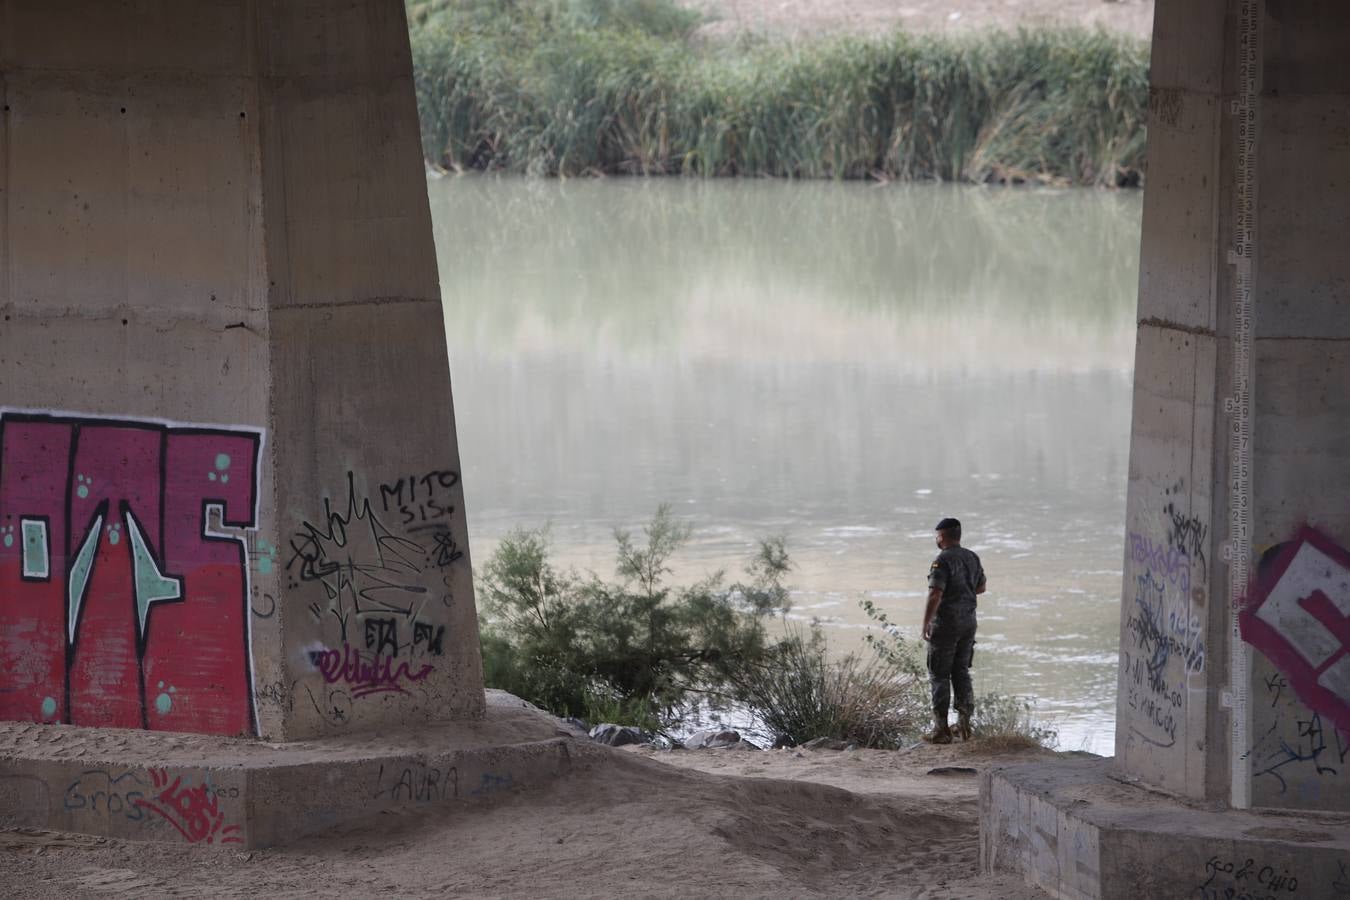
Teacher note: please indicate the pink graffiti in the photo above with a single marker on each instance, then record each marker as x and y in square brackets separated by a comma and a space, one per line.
[1298, 615]
[194, 811]
[113, 588]
[376, 674]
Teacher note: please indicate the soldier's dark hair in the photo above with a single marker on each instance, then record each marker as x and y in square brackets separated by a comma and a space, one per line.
[951, 528]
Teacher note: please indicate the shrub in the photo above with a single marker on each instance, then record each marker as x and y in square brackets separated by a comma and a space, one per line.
[635, 650]
[799, 693]
[1005, 722]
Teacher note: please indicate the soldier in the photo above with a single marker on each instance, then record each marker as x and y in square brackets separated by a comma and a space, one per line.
[954, 579]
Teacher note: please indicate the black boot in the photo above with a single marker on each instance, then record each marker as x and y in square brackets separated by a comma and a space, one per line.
[942, 732]
[963, 724]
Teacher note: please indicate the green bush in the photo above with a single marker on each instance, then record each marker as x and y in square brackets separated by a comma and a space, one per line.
[585, 86]
[636, 650]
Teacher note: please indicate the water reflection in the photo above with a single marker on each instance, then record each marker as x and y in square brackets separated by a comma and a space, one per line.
[841, 362]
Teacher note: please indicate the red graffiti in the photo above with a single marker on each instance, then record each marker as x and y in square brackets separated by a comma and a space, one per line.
[376, 674]
[122, 465]
[119, 606]
[194, 811]
[1298, 615]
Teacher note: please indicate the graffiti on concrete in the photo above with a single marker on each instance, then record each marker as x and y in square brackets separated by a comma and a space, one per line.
[420, 500]
[124, 601]
[1144, 660]
[1231, 879]
[194, 810]
[1303, 752]
[417, 783]
[1187, 534]
[334, 707]
[428, 639]
[492, 783]
[361, 564]
[102, 793]
[366, 673]
[1164, 560]
[382, 564]
[1298, 616]
[1164, 641]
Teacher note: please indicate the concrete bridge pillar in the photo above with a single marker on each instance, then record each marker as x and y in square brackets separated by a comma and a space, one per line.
[235, 595]
[1235, 680]
[1232, 769]
[229, 485]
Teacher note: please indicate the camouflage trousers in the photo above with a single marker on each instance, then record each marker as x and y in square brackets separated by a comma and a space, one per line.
[950, 654]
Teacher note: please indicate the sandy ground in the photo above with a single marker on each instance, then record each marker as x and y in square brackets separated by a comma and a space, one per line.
[711, 823]
[805, 17]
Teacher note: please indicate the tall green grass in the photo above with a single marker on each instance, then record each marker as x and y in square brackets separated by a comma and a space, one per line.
[567, 87]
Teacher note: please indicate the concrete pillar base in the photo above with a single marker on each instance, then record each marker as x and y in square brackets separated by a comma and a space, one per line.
[1076, 830]
[242, 794]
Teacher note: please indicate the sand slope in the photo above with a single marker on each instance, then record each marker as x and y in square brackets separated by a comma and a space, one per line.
[711, 823]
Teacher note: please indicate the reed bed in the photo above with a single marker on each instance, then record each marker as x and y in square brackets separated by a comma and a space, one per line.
[573, 87]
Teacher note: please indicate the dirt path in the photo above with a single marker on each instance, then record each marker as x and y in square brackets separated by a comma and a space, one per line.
[702, 823]
[805, 17]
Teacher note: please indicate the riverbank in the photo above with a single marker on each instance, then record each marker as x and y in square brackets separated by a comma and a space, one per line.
[597, 88]
[636, 821]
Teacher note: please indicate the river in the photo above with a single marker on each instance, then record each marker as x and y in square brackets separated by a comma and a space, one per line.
[842, 363]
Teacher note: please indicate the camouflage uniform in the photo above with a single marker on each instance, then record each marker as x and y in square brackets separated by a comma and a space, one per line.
[957, 573]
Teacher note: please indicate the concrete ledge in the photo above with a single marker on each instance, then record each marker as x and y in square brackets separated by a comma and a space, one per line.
[160, 786]
[1076, 832]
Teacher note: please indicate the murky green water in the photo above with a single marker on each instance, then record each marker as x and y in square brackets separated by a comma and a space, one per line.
[843, 363]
